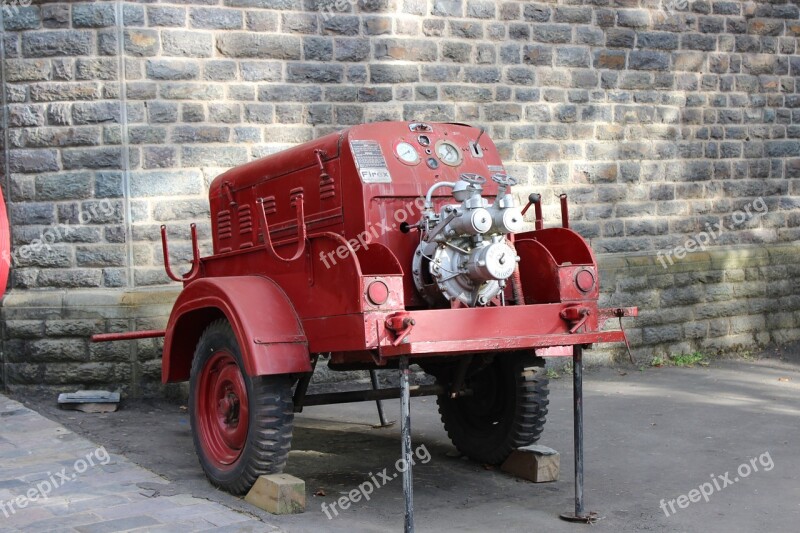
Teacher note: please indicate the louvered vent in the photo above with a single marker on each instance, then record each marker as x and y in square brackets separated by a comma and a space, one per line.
[224, 231]
[327, 188]
[246, 226]
[293, 194]
[269, 208]
[269, 205]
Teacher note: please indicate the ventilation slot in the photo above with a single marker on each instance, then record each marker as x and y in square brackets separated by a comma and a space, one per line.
[327, 188]
[245, 220]
[224, 224]
[269, 205]
[224, 230]
[246, 226]
[293, 194]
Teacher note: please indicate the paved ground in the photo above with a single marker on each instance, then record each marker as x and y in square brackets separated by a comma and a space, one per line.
[651, 435]
[53, 480]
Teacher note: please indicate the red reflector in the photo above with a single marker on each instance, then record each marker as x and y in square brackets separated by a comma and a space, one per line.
[584, 280]
[377, 293]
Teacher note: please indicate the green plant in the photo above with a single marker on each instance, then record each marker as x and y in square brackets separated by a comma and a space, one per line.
[694, 358]
[552, 373]
[658, 361]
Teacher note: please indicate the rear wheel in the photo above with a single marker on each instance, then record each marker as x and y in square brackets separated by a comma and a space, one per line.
[506, 410]
[241, 426]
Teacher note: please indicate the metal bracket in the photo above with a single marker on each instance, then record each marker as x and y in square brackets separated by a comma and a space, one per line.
[576, 316]
[401, 325]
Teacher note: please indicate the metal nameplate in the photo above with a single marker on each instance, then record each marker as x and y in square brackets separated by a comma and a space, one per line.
[370, 162]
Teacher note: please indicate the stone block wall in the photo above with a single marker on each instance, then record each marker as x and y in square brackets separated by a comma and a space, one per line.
[661, 119]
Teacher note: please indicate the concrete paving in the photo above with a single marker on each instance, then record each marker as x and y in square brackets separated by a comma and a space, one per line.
[667, 434]
[54, 480]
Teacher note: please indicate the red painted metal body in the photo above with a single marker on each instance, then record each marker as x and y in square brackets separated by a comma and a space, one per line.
[5, 246]
[129, 335]
[334, 208]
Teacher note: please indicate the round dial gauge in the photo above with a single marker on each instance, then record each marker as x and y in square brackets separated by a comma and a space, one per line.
[448, 153]
[407, 153]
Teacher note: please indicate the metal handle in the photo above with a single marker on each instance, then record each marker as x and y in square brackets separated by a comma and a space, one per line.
[301, 231]
[323, 174]
[536, 201]
[504, 180]
[472, 178]
[195, 270]
[564, 211]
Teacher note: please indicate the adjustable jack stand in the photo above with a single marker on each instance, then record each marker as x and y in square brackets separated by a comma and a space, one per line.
[373, 377]
[580, 514]
[405, 435]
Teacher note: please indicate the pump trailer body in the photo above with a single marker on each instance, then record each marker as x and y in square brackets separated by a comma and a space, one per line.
[380, 242]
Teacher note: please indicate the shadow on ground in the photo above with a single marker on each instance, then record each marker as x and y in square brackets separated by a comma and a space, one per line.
[651, 435]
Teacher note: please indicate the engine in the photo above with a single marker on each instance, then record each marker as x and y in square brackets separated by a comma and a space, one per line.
[464, 254]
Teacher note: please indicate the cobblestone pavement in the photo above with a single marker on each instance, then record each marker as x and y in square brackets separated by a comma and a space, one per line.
[53, 480]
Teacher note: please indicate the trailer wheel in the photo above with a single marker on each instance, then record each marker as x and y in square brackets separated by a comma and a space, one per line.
[241, 426]
[506, 410]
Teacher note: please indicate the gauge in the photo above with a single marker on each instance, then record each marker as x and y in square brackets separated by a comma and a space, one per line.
[432, 163]
[448, 153]
[424, 140]
[406, 153]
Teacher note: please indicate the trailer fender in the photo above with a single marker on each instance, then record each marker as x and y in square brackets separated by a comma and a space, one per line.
[270, 335]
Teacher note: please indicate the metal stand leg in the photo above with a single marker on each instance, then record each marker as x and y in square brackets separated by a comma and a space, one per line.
[373, 377]
[580, 515]
[405, 432]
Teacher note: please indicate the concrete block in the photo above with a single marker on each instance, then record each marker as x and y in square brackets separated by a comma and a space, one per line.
[535, 463]
[278, 494]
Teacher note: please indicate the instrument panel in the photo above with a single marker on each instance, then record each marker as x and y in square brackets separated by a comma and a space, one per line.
[421, 146]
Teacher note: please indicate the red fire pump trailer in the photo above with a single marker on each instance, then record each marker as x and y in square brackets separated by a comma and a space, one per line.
[376, 247]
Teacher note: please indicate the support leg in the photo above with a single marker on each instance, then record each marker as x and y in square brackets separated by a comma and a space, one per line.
[580, 514]
[373, 377]
[405, 432]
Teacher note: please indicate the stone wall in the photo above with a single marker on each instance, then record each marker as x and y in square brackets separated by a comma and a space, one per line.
[660, 119]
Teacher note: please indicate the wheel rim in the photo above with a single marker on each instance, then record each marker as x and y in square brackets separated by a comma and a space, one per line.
[222, 409]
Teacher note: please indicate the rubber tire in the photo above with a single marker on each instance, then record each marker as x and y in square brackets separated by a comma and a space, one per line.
[514, 416]
[271, 416]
